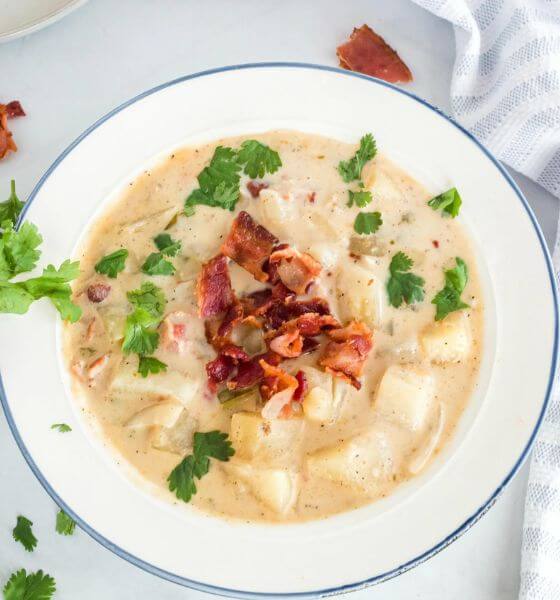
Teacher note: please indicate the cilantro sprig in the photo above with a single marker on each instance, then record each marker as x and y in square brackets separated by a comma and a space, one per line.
[448, 299]
[367, 222]
[149, 365]
[149, 297]
[112, 264]
[449, 202]
[156, 263]
[351, 170]
[361, 198]
[35, 586]
[23, 533]
[166, 245]
[19, 250]
[211, 444]
[65, 524]
[404, 286]
[11, 208]
[258, 159]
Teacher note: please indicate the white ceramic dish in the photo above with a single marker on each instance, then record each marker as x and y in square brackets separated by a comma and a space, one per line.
[349, 550]
[22, 17]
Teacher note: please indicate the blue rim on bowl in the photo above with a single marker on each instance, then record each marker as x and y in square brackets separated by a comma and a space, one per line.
[377, 578]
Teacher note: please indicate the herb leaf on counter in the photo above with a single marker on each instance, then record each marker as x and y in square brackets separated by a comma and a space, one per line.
[166, 245]
[61, 427]
[35, 586]
[19, 251]
[367, 222]
[65, 525]
[211, 444]
[403, 285]
[23, 533]
[11, 208]
[157, 264]
[361, 198]
[448, 202]
[149, 364]
[448, 299]
[112, 264]
[258, 159]
[351, 170]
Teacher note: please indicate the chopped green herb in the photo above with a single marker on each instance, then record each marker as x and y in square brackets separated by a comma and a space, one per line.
[157, 264]
[361, 199]
[22, 533]
[112, 264]
[448, 299]
[140, 333]
[449, 202]
[258, 159]
[19, 251]
[149, 364]
[351, 170]
[166, 245]
[211, 444]
[11, 208]
[65, 525]
[367, 223]
[62, 427]
[35, 586]
[403, 285]
[149, 297]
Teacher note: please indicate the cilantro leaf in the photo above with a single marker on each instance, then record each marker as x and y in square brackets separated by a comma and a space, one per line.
[62, 427]
[149, 297]
[14, 299]
[367, 222]
[218, 182]
[351, 170]
[65, 525]
[211, 444]
[449, 202]
[156, 264]
[35, 586]
[140, 334]
[112, 264]
[448, 299]
[22, 533]
[361, 199]
[166, 245]
[403, 285]
[258, 159]
[149, 364]
[11, 208]
[19, 249]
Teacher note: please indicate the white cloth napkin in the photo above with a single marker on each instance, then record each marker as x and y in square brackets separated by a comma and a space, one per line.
[506, 91]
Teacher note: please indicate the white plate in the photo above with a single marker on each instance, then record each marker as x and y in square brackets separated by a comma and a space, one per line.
[353, 549]
[20, 17]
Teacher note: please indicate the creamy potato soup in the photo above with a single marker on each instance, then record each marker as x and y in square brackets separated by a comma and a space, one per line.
[277, 327]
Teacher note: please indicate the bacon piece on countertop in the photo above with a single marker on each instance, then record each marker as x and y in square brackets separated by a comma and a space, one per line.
[249, 245]
[97, 292]
[344, 356]
[14, 109]
[7, 143]
[295, 269]
[214, 291]
[255, 187]
[367, 52]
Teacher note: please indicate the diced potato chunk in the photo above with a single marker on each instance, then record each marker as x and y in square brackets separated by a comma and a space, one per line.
[360, 295]
[114, 318]
[405, 395]
[448, 340]
[360, 462]
[323, 401]
[170, 384]
[272, 442]
[277, 489]
[176, 439]
[163, 413]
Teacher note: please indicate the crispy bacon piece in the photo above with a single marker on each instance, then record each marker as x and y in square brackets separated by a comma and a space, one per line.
[312, 324]
[235, 352]
[249, 245]
[301, 389]
[14, 109]
[367, 52]
[255, 187]
[295, 269]
[346, 353]
[97, 292]
[214, 291]
[289, 344]
[289, 340]
[250, 373]
[281, 312]
[276, 380]
[7, 143]
[233, 316]
[224, 365]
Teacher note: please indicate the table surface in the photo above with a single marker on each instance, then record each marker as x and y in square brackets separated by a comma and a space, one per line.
[73, 72]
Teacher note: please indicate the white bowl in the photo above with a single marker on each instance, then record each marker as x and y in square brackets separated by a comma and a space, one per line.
[352, 549]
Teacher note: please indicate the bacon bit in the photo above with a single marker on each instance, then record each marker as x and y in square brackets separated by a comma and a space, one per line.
[279, 387]
[288, 345]
[301, 389]
[97, 366]
[174, 332]
[214, 291]
[235, 352]
[435, 243]
[255, 187]
[219, 370]
[233, 316]
[249, 245]
[309, 345]
[295, 269]
[345, 356]
[311, 197]
[312, 324]
[367, 52]
[7, 143]
[97, 292]
[250, 373]
[281, 312]
[14, 109]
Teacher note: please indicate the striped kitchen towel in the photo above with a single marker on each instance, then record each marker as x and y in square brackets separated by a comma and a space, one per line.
[506, 91]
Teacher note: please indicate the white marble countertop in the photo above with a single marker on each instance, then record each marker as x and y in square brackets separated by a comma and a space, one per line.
[72, 73]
